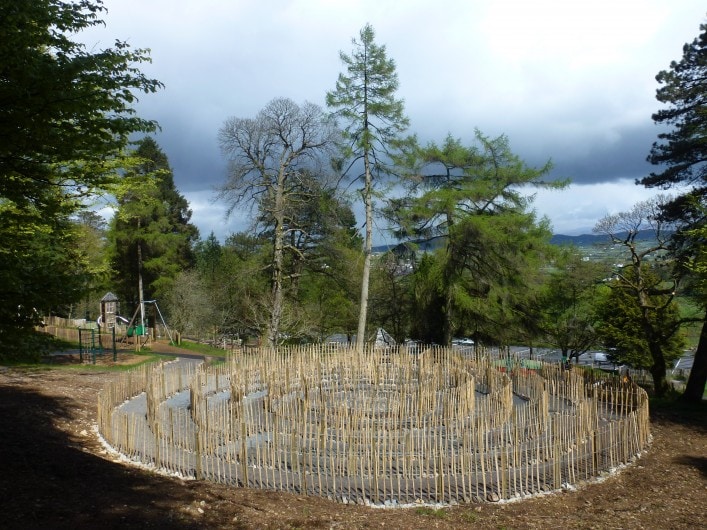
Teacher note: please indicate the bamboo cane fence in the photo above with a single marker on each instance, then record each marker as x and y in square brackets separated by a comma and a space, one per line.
[376, 427]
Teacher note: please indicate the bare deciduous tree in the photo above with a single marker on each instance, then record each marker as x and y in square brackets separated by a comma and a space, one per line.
[271, 157]
[627, 229]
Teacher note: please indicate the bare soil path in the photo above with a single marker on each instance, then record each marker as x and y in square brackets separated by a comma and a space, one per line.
[54, 473]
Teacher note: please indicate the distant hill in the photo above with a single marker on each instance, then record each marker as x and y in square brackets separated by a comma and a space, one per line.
[426, 246]
[584, 240]
[579, 241]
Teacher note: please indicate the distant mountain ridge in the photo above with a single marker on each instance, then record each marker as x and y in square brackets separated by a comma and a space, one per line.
[582, 240]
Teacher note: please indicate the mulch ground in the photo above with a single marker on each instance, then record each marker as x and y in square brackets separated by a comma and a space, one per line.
[54, 473]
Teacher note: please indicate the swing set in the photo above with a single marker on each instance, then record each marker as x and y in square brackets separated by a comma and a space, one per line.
[140, 331]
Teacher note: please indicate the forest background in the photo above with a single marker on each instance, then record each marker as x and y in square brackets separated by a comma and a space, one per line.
[473, 258]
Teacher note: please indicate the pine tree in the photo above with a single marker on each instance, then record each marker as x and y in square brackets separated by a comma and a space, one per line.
[681, 154]
[364, 99]
[467, 201]
[151, 235]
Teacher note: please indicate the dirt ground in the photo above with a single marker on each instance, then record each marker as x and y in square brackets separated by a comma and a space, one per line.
[54, 473]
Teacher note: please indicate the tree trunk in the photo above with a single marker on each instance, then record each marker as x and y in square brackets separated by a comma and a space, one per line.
[276, 293]
[658, 372]
[140, 295]
[698, 375]
[278, 251]
[449, 286]
[367, 251]
[448, 313]
[658, 369]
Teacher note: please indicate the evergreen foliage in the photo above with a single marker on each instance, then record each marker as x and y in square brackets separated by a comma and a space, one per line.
[471, 199]
[373, 120]
[681, 154]
[65, 117]
[151, 233]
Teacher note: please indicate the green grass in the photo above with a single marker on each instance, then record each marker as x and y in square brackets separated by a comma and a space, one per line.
[470, 516]
[148, 358]
[203, 349]
[58, 344]
[692, 331]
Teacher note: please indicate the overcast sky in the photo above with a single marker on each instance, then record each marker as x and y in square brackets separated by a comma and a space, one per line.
[572, 81]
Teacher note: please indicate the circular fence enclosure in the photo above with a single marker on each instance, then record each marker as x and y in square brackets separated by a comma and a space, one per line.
[382, 427]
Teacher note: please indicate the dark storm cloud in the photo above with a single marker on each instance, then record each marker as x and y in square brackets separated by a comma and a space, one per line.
[624, 158]
[574, 85]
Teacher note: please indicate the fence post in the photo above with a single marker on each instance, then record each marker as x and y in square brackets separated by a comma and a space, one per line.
[115, 349]
[80, 346]
[197, 453]
[93, 345]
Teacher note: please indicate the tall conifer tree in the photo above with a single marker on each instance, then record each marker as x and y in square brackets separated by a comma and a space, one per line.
[364, 100]
[151, 235]
[681, 153]
[468, 202]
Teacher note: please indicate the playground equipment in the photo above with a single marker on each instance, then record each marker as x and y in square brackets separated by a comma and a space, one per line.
[91, 343]
[109, 310]
[377, 427]
[141, 330]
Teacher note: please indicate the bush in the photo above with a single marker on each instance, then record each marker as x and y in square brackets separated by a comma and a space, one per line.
[24, 346]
